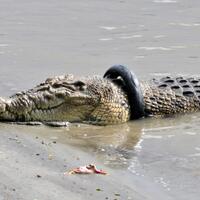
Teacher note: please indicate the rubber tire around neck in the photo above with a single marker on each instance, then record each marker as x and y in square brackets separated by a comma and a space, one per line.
[132, 88]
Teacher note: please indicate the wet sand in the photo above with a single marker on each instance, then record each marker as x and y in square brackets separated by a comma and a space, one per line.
[34, 160]
[145, 159]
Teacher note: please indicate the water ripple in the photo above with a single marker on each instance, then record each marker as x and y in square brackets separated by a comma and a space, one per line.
[165, 1]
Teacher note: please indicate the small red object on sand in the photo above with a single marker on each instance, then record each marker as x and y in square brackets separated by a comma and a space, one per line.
[88, 169]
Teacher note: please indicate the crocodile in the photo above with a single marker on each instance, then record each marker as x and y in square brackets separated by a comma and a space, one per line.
[101, 100]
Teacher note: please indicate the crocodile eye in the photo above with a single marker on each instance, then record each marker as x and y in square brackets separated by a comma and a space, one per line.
[79, 84]
[56, 85]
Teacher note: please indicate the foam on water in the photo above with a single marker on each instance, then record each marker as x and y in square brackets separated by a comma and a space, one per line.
[130, 36]
[108, 28]
[105, 39]
[155, 48]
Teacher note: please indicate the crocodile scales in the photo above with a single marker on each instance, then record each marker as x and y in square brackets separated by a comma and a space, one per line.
[98, 100]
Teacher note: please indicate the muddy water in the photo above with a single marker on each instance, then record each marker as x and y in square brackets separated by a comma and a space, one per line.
[157, 158]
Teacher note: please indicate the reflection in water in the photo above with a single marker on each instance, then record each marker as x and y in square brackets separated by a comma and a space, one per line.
[112, 144]
[120, 145]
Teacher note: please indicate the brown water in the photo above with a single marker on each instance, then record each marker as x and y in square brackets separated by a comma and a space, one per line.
[146, 159]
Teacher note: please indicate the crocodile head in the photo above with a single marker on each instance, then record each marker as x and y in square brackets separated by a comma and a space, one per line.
[71, 98]
[68, 98]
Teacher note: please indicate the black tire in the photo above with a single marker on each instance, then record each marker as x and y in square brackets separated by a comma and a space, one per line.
[131, 87]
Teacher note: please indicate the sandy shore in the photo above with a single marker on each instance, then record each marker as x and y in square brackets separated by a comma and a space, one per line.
[33, 166]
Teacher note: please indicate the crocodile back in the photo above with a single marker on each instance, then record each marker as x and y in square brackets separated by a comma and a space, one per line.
[171, 95]
[186, 86]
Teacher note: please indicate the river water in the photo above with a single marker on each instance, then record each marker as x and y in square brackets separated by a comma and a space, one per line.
[147, 159]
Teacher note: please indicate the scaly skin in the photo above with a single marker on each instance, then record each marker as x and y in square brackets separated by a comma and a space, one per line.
[167, 101]
[95, 100]
[67, 98]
